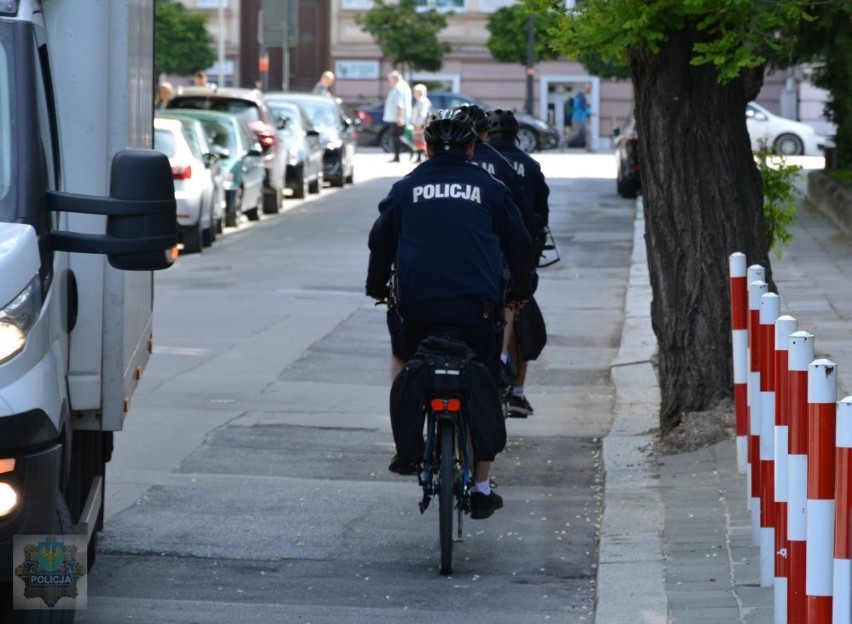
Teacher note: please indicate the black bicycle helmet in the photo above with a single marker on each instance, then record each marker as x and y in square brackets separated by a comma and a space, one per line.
[448, 128]
[476, 115]
[502, 122]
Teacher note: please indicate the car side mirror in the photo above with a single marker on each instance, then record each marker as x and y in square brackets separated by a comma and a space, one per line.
[210, 159]
[141, 221]
[221, 152]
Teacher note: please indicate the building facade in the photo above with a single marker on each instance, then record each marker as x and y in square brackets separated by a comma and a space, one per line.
[326, 36]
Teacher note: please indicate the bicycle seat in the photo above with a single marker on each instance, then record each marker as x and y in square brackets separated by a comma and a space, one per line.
[447, 332]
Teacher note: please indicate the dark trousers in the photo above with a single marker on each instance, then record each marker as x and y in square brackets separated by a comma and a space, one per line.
[398, 144]
[479, 322]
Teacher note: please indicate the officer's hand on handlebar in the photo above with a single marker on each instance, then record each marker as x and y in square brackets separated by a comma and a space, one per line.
[378, 292]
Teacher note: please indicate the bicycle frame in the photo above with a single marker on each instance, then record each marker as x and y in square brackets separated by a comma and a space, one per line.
[432, 458]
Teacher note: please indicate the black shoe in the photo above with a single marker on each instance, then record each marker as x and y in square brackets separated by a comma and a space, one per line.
[404, 468]
[482, 506]
[394, 159]
[519, 407]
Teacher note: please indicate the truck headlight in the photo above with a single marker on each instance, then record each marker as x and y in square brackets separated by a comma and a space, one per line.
[8, 498]
[17, 318]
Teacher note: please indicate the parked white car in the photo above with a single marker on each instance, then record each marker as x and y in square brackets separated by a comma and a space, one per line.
[196, 191]
[785, 136]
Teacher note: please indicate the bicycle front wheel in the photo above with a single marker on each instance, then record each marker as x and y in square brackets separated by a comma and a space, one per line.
[445, 495]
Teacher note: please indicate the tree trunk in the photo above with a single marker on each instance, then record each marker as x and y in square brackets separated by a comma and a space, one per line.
[703, 201]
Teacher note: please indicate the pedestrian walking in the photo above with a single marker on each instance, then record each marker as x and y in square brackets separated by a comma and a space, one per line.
[419, 116]
[581, 113]
[397, 111]
[324, 84]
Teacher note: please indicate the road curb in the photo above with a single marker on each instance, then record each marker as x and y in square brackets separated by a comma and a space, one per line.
[631, 571]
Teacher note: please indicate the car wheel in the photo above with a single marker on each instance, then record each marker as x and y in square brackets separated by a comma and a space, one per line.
[232, 215]
[316, 185]
[527, 140]
[386, 140]
[208, 235]
[271, 201]
[789, 145]
[300, 186]
[192, 239]
[253, 214]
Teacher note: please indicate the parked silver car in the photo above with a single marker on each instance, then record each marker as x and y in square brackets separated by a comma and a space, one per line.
[197, 176]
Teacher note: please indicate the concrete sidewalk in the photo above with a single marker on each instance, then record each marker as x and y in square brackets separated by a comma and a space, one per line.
[676, 542]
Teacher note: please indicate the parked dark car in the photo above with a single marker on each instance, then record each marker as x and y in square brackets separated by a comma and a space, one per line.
[241, 158]
[250, 106]
[337, 133]
[626, 142]
[304, 149]
[533, 133]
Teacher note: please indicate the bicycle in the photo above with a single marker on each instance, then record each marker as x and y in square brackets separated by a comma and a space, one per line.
[448, 459]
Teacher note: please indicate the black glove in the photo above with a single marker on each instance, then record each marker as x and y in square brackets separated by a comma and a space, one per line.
[379, 292]
[516, 295]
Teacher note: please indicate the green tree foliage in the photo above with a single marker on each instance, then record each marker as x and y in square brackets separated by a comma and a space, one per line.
[827, 41]
[694, 65]
[779, 197]
[408, 38]
[183, 45]
[509, 30]
[508, 43]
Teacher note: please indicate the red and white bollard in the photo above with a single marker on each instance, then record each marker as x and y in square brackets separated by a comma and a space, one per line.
[822, 427]
[800, 354]
[784, 326]
[739, 344]
[770, 309]
[756, 290]
[842, 599]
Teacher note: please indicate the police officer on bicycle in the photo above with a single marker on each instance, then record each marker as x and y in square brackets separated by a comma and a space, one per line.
[448, 229]
[503, 136]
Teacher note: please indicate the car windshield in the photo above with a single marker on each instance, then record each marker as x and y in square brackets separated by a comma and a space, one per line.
[6, 102]
[321, 113]
[23, 138]
[221, 135]
[164, 141]
[291, 113]
[243, 109]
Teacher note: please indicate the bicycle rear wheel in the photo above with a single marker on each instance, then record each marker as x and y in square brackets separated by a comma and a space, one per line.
[445, 495]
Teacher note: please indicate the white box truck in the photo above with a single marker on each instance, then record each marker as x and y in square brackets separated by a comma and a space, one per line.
[87, 212]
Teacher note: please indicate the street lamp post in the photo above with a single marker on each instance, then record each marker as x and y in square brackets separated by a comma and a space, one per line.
[530, 62]
[222, 42]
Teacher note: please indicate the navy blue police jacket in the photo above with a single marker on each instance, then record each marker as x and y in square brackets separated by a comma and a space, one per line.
[529, 170]
[449, 227]
[497, 165]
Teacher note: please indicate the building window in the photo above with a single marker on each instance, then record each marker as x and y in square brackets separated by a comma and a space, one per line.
[442, 5]
[357, 4]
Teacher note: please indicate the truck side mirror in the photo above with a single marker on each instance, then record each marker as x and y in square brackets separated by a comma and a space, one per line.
[141, 229]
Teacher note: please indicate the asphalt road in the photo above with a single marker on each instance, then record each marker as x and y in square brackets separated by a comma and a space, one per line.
[250, 484]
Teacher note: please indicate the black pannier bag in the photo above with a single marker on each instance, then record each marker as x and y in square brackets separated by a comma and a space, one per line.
[530, 331]
[418, 380]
